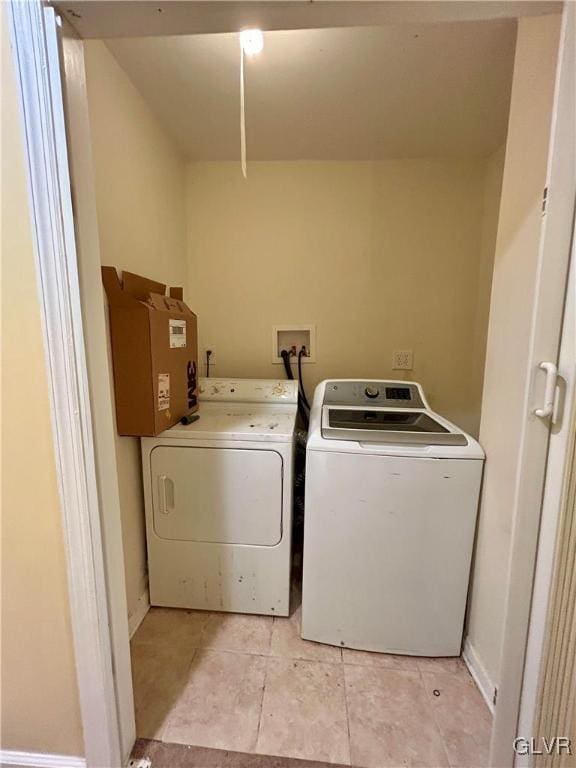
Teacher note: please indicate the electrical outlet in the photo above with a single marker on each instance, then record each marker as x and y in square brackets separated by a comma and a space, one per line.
[402, 360]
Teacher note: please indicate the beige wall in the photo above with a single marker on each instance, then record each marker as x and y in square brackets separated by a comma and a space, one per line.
[509, 328]
[40, 707]
[140, 195]
[379, 256]
[491, 207]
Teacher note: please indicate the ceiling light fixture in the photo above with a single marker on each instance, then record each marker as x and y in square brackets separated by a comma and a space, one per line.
[251, 43]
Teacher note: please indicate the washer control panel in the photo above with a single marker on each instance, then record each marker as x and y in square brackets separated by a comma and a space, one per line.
[390, 394]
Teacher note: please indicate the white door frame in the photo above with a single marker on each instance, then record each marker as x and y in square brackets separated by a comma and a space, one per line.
[37, 63]
[33, 28]
[99, 368]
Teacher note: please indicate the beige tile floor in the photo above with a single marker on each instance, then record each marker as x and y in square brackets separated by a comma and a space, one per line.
[251, 684]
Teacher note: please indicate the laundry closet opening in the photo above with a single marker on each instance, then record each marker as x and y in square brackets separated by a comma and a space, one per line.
[367, 218]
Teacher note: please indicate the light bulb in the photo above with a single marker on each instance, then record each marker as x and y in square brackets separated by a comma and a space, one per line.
[251, 41]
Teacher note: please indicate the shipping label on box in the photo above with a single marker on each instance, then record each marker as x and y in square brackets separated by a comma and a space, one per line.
[177, 333]
[163, 391]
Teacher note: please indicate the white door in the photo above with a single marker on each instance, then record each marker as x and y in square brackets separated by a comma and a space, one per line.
[217, 495]
[555, 239]
[558, 457]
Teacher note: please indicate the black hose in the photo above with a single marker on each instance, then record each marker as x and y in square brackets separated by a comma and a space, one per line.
[301, 381]
[285, 355]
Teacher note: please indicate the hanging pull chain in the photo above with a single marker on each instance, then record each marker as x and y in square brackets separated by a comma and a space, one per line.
[251, 43]
[242, 116]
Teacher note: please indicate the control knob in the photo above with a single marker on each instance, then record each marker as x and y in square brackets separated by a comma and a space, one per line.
[371, 392]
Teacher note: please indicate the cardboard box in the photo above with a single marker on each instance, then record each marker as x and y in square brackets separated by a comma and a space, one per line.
[154, 353]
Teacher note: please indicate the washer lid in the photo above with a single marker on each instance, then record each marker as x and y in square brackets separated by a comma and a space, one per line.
[405, 426]
[239, 421]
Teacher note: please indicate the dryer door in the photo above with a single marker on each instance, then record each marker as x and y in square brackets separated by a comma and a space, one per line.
[219, 495]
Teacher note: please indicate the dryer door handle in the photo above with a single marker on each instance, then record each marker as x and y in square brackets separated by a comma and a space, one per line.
[165, 494]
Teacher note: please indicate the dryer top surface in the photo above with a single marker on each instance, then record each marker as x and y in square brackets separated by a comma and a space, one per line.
[256, 422]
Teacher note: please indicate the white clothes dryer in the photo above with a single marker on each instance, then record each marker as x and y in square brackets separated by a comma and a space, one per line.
[218, 499]
[392, 492]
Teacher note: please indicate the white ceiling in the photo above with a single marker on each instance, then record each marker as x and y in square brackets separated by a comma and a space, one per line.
[103, 19]
[436, 90]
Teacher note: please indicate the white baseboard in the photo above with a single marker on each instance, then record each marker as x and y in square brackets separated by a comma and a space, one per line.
[141, 609]
[478, 672]
[16, 759]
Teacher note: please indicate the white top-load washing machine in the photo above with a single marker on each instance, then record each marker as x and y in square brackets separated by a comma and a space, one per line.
[218, 498]
[392, 493]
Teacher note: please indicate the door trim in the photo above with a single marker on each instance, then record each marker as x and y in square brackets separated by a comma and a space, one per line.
[11, 758]
[33, 29]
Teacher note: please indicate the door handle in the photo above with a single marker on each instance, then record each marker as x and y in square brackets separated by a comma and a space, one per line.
[549, 390]
[166, 500]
